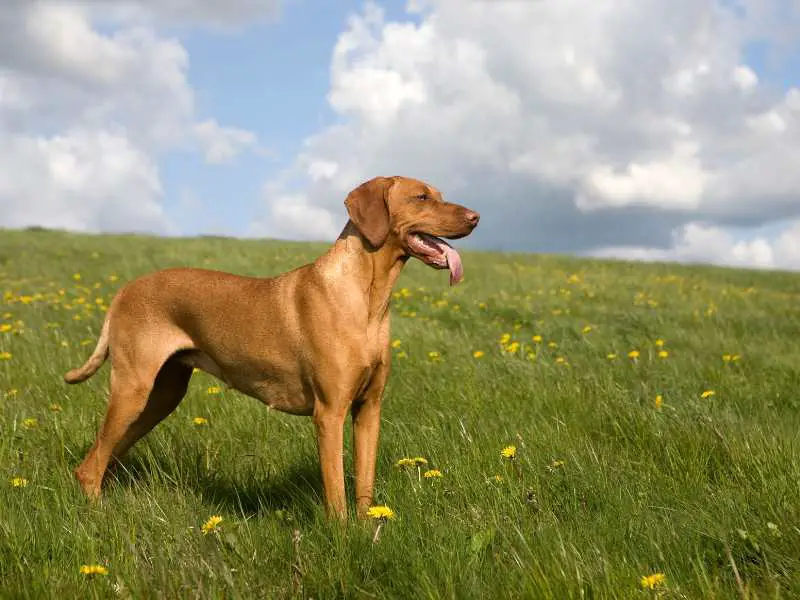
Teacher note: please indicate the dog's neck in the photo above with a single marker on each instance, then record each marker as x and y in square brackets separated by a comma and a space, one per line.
[373, 270]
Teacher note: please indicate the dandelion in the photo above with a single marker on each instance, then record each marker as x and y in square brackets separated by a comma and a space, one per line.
[509, 452]
[382, 514]
[5, 328]
[477, 354]
[30, 423]
[497, 478]
[537, 339]
[552, 345]
[659, 343]
[658, 401]
[556, 464]
[5, 355]
[633, 354]
[55, 407]
[200, 421]
[432, 474]
[505, 338]
[211, 525]
[663, 354]
[77, 276]
[19, 482]
[650, 582]
[402, 354]
[611, 355]
[434, 356]
[512, 347]
[11, 393]
[93, 570]
[587, 329]
[396, 343]
[707, 394]
[213, 390]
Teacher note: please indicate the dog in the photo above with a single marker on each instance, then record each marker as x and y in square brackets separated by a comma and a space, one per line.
[313, 341]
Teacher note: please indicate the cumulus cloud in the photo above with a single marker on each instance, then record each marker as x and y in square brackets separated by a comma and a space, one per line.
[571, 126]
[86, 112]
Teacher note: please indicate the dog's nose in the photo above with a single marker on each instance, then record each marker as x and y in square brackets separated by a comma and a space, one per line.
[473, 217]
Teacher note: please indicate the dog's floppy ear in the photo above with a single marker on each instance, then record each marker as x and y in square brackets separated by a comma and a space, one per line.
[368, 209]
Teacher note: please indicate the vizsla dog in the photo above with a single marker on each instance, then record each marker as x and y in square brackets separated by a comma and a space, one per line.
[313, 341]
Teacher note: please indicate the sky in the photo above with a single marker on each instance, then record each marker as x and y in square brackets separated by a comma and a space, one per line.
[640, 129]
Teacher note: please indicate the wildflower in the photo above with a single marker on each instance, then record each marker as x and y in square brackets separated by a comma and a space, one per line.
[55, 407]
[5, 328]
[659, 400]
[512, 347]
[396, 343]
[505, 338]
[434, 355]
[498, 478]
[587, 329]
[402, 354]
[93, 570]
[432, 474]
[200, 421]
[211, 525]
[557, 463]
[552, 345]
[12, 392]
[5, 355]
[663, 354]
[381, 513]
[634, 354]
[213, 389]
[77, 276]
[509, 452]
[660, 343]
[477, 354]
[112, 278]
[19, 482]
[30, 423]
[537, 339]
[611, 355]
[707, 394]
[411, 462]
[652, 581]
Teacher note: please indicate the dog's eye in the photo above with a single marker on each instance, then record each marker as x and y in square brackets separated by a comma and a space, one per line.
[422, 197]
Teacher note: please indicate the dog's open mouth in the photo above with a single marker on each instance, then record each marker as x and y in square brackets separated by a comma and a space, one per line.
[437, 253]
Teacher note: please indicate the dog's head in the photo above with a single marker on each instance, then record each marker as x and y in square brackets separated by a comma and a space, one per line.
[413, 216]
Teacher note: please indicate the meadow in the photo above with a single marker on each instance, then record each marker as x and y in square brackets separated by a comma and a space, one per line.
[589, 429]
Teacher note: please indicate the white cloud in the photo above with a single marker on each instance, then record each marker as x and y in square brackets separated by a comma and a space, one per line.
[210, 13]
[699, 243]
[222, 144]
[86, 112]
[570, 126]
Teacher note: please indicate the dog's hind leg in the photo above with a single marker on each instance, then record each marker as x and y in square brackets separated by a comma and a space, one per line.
[138, 403]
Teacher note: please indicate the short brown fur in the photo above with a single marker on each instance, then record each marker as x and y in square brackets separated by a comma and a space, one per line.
[313, 341]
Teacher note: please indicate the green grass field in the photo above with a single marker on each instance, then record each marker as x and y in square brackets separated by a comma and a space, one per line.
[624, 468]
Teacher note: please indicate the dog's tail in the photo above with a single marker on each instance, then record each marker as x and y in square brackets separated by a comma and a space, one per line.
[96, 360]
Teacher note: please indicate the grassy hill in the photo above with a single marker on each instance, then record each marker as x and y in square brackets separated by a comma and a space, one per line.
[655, 411]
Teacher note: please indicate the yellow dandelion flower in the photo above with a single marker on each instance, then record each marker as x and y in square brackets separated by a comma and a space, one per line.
[498, 478]
[112, 278]
[11, 393]
[557, 463]
[552, 345]
[211, 525]
[663, 354]
[659, 343]
[707, 394]
[5, 328]
[55, 407]
[396, 343]
[633, 354]
[402, 354]
[537, 339]
[19, 482]
[611, 355]
[382, 513]
[560, 360]
[93, 570]
[650, 582]
[213, 389]
[477, 354]
[509, 452]
[587, 329]
[30, 423]
[482, 305]
[505, 338]
[512, 347]
[5, 355]
[434, 355]
[659, 401]
[200, 421]
[77, 276]
[411, 462]
[432, 474]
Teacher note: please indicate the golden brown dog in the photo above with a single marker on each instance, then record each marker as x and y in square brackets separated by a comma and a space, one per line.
[313, 341]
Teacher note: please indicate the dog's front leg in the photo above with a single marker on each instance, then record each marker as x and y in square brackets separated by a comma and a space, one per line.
[329, 422]
[366, 412]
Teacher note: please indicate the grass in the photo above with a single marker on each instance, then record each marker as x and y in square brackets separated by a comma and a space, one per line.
[606, 486]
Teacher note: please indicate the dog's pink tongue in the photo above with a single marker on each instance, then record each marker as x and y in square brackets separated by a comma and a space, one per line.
[454, 264]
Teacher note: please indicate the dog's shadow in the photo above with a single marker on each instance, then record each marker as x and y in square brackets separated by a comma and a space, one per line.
[296, 490]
